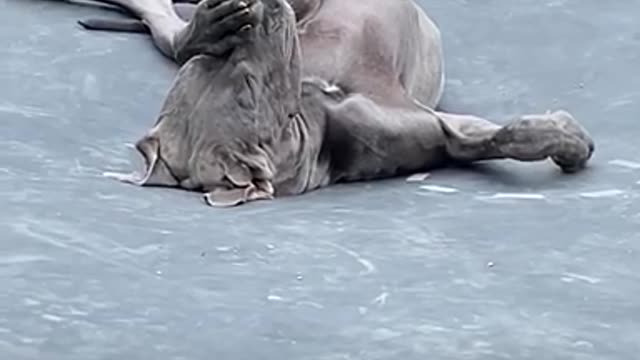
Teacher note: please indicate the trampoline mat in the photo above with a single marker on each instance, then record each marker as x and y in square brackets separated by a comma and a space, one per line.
[503, 261]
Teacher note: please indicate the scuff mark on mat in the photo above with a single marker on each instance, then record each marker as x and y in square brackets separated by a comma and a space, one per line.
[602, 193]
[439, 189]
[515, 196]
[625, 163]
[571, 277]
[420, 177]
[368, 266]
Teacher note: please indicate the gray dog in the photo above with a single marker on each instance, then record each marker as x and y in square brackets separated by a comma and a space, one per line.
[277, 98]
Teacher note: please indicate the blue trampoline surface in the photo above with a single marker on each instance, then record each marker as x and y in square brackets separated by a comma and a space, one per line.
[454, 267]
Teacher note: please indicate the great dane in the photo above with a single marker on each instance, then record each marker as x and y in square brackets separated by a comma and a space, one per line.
[280, 97]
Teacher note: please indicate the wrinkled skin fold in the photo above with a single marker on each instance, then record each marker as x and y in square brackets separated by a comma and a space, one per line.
[277, 98]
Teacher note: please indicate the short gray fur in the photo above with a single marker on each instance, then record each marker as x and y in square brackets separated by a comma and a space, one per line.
[282, 97]
[96, 270]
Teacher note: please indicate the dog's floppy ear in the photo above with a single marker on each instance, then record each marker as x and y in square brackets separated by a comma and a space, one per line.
[261, 190]
[238, 174]
[244, 187]
[223, 197]
[226, 197]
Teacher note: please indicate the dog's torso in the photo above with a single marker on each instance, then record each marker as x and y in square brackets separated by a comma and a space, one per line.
[386, 50]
